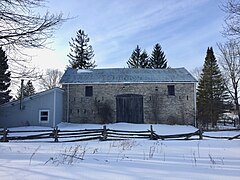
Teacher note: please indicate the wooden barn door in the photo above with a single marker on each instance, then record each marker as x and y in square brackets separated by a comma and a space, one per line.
[130, 108]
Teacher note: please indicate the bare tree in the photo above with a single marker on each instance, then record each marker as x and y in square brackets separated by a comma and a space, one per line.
[232, 20]
[50, 79]
[230, 62]
[22, 27]
[196, 72]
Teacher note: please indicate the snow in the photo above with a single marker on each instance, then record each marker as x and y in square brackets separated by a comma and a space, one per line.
[83, 71]
[125, 160]
[222, 133]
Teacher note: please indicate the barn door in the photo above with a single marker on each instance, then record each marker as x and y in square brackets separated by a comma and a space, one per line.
[130, 108]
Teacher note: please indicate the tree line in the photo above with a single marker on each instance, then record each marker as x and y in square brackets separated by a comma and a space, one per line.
[140, 59]
[82, 53]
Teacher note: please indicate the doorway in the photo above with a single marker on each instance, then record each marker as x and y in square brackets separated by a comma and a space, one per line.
[130, 108]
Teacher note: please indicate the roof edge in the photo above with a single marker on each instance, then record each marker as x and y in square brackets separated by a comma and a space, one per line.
[15, 102]
[162, 82]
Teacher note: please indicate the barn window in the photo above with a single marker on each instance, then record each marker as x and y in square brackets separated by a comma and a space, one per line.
[44, 116]
[88, 91]
[171, 90]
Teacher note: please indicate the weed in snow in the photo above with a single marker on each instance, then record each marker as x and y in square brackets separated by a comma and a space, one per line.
[95, 150]
[33, 154]
[198, 145]
[194, 159]
[151, 151]
[126, 145]
[69, 156]
[215, 161]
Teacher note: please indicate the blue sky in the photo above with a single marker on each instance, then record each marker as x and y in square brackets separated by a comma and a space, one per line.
[184, 29]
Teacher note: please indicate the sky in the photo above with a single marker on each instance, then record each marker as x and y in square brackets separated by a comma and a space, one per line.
[184, 29]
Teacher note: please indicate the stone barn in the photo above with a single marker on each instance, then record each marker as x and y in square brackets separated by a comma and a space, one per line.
[129, 95]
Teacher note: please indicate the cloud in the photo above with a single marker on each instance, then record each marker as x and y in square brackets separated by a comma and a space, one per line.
[115, 27]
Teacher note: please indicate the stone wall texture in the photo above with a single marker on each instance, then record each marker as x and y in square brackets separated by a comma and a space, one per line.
[158, 106]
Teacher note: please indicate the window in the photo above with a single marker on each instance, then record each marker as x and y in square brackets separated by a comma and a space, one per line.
[44, 116]
[171, 90]
[88, 91]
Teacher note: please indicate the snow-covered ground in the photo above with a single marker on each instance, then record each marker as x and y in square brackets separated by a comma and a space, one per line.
[129, 159]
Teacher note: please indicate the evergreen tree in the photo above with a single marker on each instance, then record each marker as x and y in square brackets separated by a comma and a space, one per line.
[134, 60]
[138, 59]
[28, 90]
[4, 78]
[81, 53]
[144, 60]
[158, 59]
[212, 97]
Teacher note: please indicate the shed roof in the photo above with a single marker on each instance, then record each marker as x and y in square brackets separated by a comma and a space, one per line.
[126, 75]
[39, 94]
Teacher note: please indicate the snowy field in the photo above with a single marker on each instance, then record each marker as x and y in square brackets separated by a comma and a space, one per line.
[128, 159]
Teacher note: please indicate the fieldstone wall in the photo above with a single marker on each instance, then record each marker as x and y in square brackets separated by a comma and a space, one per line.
[159, 107]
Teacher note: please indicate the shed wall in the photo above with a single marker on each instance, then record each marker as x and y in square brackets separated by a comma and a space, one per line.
[58, 107]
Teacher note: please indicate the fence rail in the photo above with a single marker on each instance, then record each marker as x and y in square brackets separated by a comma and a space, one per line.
[103, 134]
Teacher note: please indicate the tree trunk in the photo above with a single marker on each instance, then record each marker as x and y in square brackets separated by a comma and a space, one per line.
[236, 103]
[238, 111]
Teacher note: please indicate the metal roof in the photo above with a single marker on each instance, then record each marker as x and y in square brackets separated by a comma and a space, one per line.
[125, 75]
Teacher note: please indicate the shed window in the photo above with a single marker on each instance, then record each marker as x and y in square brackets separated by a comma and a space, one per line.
[171, 90]
[44, 116]
[88, 91]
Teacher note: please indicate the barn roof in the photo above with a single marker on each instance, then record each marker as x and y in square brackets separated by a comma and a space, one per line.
[125, 75]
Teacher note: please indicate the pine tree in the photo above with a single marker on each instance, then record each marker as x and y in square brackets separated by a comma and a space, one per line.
[28, 90]
[158, 59]
[81, 53]
[138, 59]
[134, 60]
[144, 60]
[212, 97]
[4, 78]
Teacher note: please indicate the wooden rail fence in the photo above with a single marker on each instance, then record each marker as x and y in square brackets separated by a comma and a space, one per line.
[104, 134]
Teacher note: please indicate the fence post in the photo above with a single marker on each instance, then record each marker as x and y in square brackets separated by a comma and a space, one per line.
[200, 134]
[152, 133]
[104, 133]
[5, 133]
[55, 134]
